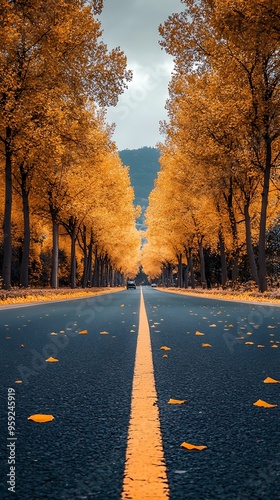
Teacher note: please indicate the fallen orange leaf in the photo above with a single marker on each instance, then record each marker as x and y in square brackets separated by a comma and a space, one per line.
[18, 381]
[199, 333]
[104, 333]
[165, 348]
[21, 345]
[83, 332]
[206, 345]
[264, 404]
[260, 345]
[165, 356]
[249, 343]
[177, 401]
[275, 346]
[52, 360]
[190, 446]
[39, 417]
[269, 380]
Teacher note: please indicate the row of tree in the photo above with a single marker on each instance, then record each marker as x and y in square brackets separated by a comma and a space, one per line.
[62, 177]
[218, 188]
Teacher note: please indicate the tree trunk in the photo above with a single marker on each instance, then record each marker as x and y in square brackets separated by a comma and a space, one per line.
[26, 225]
[223, 259]
[180, 271]
[96, 274]
[202, 265]
[233, 225]
[190, 266]
[262, 233]
[55, 246]
[250, 251]
[73, 257]
[7, 225]
[85, 252]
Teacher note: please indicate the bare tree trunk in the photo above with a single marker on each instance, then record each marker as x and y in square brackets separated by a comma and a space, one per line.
[202, 265]
[72, 227]
[26, 225]
[180, 271]
[262, 233]
[223, 259]
[190, 266]
[250, 251]
[55, 246]
[96, 273]
[234, 232]
[7, 225]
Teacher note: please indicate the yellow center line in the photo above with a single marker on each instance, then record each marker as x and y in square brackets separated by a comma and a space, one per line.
[145, 476]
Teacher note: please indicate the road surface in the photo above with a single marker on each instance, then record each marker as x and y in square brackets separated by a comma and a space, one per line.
[214, 363]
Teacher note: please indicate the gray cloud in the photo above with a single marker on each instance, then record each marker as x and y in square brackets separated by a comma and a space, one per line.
[133, 25]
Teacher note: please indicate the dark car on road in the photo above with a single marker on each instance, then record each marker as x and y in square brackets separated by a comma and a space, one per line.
[131, 284]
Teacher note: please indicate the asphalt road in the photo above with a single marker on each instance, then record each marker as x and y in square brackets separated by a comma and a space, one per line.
[81, 453]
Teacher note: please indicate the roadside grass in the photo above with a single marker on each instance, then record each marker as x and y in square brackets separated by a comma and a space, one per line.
[272, 296]
[22, 296]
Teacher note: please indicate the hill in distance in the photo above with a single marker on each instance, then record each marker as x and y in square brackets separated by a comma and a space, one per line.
[143, 164]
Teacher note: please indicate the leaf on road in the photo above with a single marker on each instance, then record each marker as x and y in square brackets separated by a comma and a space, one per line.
[269, 380]
[41, 418]
[275, 346]
[212, 326]
[122, 305]
[53, 333]
[249, 343]
[83, 332]
[177, 401]
[165, 356]
[18, 381]
[165, 348]
[104, 333]
[263, 404]
[199, 333]
[270, 326]
[206, 345]
[190, 446]
[52, 360]
[260, 346]
[21, 345]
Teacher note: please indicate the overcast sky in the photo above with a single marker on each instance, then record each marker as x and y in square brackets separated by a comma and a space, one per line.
[133, 25]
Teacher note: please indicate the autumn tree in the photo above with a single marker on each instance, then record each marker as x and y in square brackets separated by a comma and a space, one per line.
[239, 43]
[46, 48]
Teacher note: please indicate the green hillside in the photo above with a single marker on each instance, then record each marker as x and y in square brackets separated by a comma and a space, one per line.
[144, 165]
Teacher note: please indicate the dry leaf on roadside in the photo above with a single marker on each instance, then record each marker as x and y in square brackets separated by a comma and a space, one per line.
[177, 401]
[190, 446]
[263, 404]
[269, 380]
[52, 360]
[165, 348]
[41, 418]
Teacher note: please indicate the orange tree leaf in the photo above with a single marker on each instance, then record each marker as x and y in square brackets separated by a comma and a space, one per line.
[41, 418]
[190, 446]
